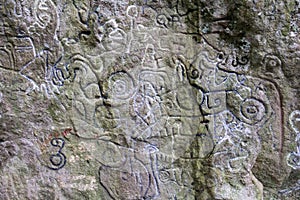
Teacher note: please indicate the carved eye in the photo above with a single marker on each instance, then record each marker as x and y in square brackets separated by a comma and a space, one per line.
[221, 56]
[272, 63]
[124, 176]
[194, 74]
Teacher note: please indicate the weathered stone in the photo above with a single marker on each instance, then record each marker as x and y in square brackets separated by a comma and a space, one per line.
[168, 99]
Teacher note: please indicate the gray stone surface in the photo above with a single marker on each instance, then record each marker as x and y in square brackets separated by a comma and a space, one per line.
[149, 99]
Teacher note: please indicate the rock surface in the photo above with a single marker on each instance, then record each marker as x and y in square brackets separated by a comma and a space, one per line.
[149, 99]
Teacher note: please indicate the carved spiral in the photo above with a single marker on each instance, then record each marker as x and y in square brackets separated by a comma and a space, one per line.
[253, 110]
[57, 160]
[164, 176]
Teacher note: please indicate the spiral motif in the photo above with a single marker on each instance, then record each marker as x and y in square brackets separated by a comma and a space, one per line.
[57, 160]
[121, 86]
[164, 176]
[252, 110]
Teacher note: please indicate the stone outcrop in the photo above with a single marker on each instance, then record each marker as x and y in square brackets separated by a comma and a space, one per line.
[152, 99]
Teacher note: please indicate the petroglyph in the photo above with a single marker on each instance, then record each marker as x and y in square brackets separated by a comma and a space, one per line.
[293, 158]
[162, 99]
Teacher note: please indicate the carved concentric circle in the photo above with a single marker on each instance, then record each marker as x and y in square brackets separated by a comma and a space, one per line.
[121, 86]
[194, 73]
[252, 110]
[272, 63]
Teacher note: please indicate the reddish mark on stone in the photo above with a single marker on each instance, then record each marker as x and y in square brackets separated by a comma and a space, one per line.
[56, 135]
[66, 132]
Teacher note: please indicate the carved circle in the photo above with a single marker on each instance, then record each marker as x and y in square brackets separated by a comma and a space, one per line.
[58, 160]
[221, 56]
[253, 110]
[271, 62]
[164, 176]
[121, 86]
[194, 74]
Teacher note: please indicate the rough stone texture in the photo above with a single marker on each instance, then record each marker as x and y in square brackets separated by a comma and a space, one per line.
[149, 99]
